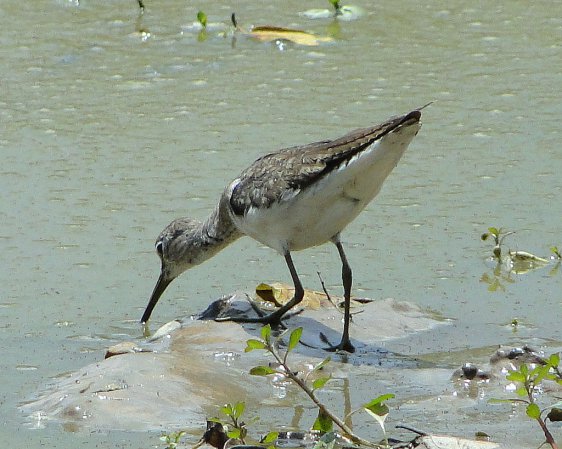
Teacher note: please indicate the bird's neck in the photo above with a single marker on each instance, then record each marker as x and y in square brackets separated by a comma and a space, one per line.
[218, 231]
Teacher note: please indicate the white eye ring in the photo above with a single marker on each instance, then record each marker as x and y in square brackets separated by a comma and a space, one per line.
[160, 248]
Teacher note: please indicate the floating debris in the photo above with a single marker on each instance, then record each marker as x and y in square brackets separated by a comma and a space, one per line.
[345, 13]
[273, 33]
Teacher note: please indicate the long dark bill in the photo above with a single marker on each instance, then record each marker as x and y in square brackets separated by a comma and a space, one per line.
[161, 285]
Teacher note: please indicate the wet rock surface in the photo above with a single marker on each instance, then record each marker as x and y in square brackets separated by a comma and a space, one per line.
[181, 373]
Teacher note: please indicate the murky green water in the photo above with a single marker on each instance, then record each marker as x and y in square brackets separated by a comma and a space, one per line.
[106, 137]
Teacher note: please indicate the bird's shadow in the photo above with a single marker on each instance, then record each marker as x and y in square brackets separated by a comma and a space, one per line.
[374, 323]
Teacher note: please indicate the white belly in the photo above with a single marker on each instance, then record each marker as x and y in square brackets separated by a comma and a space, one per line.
[316, 214]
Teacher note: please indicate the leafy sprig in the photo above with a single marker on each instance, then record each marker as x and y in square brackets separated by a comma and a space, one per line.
[528, 381]
[326, 419]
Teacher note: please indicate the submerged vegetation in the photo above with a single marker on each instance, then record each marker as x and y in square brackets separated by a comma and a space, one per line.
[263, 33]
[498, 236]
[509, 262]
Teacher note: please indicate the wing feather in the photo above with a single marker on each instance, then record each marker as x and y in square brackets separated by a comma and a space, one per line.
[270, 177]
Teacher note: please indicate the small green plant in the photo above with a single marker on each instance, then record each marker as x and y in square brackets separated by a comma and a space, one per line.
[236, 427]
[337, 6]
[556, 252]
[172, 439]
[498, 235]
[528, 381]
[326, 418]
[270, 439]
[202, 19]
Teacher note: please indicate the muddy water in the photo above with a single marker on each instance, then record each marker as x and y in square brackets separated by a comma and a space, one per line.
[107, 134]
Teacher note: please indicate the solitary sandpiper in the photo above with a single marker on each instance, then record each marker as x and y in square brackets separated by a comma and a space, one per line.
[289, 200]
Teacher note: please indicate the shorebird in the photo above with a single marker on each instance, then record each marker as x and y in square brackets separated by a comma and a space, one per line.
[289, 200]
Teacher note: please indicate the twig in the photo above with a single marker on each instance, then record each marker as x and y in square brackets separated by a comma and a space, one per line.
[547, 434]
[310, 393]
[327, 294]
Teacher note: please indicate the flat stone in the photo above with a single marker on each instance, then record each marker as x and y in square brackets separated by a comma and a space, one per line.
[179, 377]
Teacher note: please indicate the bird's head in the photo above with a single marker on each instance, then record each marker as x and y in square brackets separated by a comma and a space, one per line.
[179, 247]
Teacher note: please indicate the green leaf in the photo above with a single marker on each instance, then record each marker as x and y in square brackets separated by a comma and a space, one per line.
[554, 360]
[322, 364]
[254, 344]
[238, 409]
[261, 371]
[323, 423]
[533, 411]
[521, 392]
[319, 383]
[271, 437]
[266, 333]
[294, 338]
[377, 409]
[379, 412]
[494, 231]
[372, 405]
[227, 409]
[536, 371]
[484, 236]
[202, 18]
[516, 376]
[335, 4]
[541, 372]
[234, 433]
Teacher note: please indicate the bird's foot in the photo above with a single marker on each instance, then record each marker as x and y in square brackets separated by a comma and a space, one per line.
[344, 344]
[273, 319]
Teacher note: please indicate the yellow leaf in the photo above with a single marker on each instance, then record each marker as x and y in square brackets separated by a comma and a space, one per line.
[272, 33]
[279, 294]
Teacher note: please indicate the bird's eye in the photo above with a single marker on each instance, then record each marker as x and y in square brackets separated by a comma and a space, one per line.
[160, 249]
